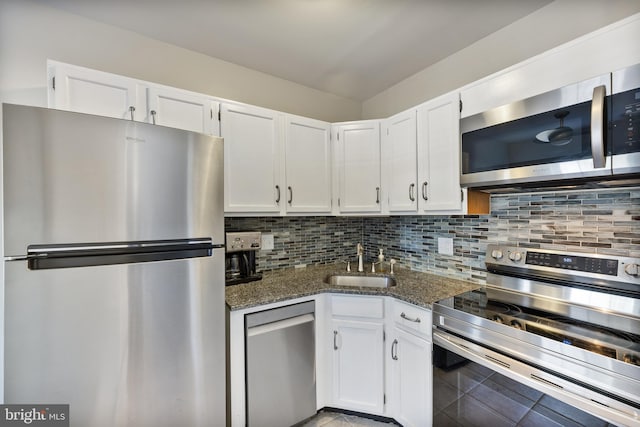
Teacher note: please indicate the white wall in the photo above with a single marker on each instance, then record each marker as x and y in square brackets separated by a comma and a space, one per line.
[555, 24]
[31, 33]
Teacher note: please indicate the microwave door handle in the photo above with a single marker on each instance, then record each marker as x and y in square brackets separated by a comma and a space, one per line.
[598, 127]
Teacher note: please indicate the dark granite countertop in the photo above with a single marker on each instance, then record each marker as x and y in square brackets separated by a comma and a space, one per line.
[421, 289]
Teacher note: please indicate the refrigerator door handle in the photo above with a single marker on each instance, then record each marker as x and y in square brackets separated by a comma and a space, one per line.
[24, 257]
[42, 257]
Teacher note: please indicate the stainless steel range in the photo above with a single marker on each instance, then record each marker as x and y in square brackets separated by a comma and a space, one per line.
[567, 324]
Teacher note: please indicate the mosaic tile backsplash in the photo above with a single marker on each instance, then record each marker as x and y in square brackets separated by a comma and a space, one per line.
[602, 221]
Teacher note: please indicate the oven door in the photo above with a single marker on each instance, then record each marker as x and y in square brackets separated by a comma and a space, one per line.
[558, 135]
[560, 374]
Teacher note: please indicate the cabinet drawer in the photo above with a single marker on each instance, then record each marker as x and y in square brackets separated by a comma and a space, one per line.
[357, 306]
[412, 318]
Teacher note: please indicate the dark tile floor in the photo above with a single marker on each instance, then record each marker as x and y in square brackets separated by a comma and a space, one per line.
[474, 396]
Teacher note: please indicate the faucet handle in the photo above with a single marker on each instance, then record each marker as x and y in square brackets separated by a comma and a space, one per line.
[391, 263]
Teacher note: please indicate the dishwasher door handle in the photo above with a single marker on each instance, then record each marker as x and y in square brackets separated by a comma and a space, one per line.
[280, 324]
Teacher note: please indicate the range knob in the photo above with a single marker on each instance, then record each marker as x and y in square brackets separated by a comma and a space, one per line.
[630, 358]
[517, 325]
[496, 254]
[515, 256]
[632, 270]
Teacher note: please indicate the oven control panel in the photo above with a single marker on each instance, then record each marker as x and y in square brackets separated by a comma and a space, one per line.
[573, 262]
[552, 262]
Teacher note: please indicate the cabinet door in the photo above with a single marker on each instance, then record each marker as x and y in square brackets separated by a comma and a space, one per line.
[399, 162]
[95, 92]
[439, 154]
[358, 153]
[412, 377]
[358, 371]
[308, 165]
[183, 110]
[251, 158]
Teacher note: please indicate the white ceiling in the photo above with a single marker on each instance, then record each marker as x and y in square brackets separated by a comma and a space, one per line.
[351, 48]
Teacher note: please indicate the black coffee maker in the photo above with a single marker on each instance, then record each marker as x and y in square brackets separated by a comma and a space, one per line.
[241, 248]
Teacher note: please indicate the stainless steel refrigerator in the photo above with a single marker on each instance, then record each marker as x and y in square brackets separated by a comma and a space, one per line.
[114, 269]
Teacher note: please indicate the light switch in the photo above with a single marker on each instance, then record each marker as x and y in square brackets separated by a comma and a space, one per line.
[445, 245]
[267, 242]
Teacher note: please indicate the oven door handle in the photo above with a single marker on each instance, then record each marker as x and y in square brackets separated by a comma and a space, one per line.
[598, 127]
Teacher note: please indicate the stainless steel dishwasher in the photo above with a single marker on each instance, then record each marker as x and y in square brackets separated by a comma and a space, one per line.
[280, 364]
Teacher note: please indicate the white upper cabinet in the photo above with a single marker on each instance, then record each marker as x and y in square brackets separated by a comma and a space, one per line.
[252, 159]
[399, 162]
[307, 158]
[88, 91]
[357, 148]
[439, 154]
[183, 110]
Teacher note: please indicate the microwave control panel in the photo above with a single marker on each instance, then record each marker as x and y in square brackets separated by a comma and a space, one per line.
[626, 121]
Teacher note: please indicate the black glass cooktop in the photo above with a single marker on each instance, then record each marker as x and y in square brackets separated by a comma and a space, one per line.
[599, 339]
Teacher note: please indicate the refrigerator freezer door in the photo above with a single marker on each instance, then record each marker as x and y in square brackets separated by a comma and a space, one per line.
[125, 345]
[71, 177]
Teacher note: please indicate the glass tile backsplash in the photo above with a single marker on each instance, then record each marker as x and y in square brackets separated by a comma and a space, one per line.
[604, 221]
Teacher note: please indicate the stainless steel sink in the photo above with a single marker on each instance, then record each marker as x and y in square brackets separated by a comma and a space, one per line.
[363, 281]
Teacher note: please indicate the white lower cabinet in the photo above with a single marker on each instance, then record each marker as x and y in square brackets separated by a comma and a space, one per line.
[381, 359]
[409, 364]
[357, 346]
[411, 379]
[358, 365]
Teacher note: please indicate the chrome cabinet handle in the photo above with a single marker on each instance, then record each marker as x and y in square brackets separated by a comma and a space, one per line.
[424, 190]
[290, 194]
[132, 110]
[377, 194]
[411, 196]
[335, 337]
[394, 350]
[153, 116]
[404, 316]
[278, 194]
[597, 126]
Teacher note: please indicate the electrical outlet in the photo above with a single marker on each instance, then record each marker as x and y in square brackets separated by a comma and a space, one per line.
[445, 245]
[267, 242]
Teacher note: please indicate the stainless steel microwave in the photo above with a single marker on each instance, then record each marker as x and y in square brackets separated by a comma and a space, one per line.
[587, 131]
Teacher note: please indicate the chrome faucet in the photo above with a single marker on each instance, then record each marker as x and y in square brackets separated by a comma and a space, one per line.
[360, 251]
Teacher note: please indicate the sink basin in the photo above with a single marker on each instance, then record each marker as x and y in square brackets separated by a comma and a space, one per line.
[363, 281]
